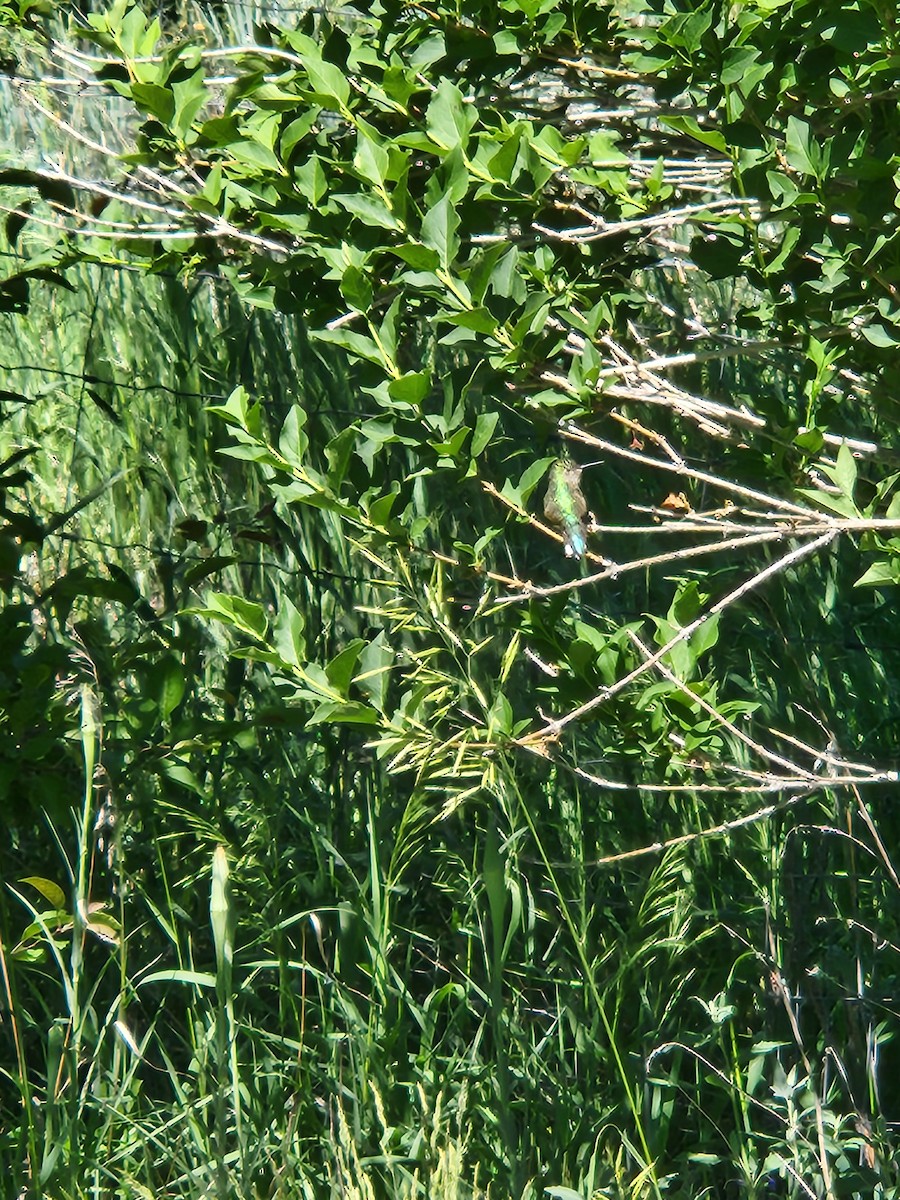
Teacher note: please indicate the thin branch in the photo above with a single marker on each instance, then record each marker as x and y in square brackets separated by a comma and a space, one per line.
[711, 831]
[722, 720]
[601, 228]
[681, 468]
[551, 729]
[529, 591]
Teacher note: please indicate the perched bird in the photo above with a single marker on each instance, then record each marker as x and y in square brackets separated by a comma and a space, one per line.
[565, 506]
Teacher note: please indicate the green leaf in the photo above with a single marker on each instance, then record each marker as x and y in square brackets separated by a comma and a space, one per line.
[485, 425]
[844, 474]
[293, 441]
[206, 567]
[689, 126]
[836, 504]
[358, 345]
[411, 388]
[423, 258]
[342, 667]
[686, 29]
[680, 658]
[311, 181]
[479, 319]
[500, 717]
[181, 774]
[375, 663]
[155, 100]
[194, 978]
[52, 892]
[387, 333]
[879, 335]
[254, 154]
[288, 633]
[356, 289]
[221, 914]
[799, 150]
[371, 159]
[172, 687]
[190, 96]
[706, 636]
[737, 62]
[880, 574]
[297, 130]
[885, 487]
[241, 614]
[439, 231]
[380, 510]
[338, 452]
[448, 119]
[369, 209]
[452, 446]
[783, 189]
[507, 42]
[810, 441]
[326, 79]
[532, 476]
[339, 713]
[136, 36]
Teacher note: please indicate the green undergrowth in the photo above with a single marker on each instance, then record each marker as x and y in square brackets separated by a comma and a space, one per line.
[347, 846]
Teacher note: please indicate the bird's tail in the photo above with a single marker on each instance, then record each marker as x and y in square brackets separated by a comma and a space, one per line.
[576, 540]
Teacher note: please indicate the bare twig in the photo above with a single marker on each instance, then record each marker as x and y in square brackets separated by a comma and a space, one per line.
[551, 729]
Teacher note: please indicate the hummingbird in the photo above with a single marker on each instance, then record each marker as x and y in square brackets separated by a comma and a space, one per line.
[565, 505]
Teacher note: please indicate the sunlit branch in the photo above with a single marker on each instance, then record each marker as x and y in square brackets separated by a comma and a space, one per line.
[551, 729]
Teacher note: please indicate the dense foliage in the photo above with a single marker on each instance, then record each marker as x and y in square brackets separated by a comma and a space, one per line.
[411, 855]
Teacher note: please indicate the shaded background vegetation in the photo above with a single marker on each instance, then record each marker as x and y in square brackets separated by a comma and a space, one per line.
[425, 963]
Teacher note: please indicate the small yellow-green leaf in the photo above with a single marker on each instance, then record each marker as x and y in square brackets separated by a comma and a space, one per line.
[52, 892]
